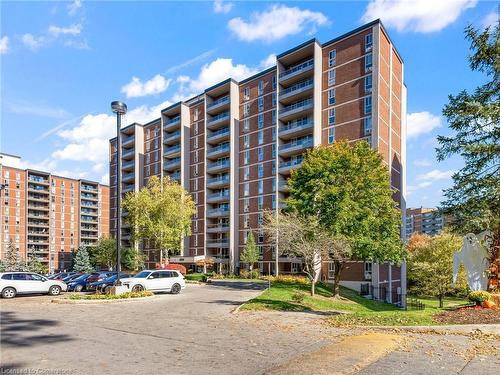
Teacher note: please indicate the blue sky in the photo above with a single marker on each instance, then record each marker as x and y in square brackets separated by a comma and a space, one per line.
[63, 62]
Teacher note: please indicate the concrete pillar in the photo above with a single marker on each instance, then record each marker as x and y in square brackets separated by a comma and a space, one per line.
[390, 283]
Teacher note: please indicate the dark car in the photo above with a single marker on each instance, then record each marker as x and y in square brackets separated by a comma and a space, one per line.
[79, 284]
[105, 285]
[61, 275]
[69, 278]
[99, 276]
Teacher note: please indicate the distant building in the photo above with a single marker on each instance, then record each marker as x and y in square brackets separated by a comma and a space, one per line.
[49, 216]
[423, 220]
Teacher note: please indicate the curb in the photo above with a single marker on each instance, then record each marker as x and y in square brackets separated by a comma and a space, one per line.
[64, 301]
[448, 329]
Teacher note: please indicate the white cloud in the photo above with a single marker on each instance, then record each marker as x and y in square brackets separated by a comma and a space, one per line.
[422, 163]
[277, 22]
[412, 188]
[490, 20]
[423, 16]
[74, 7]
[435, 175]
[36, 109]
[419, 123]
[32, 42]
[136, 88]
[221, 6]
[4, 45]
[269, 61]
[70, 30]
[105, 179]
[44, 165]
[77, 44]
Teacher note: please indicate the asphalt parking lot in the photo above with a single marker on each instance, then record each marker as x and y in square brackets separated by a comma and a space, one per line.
[196, 333]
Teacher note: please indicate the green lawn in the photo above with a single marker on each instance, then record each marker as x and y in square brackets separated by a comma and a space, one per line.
[356, 310]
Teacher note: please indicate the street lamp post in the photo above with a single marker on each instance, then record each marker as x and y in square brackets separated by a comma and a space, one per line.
[120, 109]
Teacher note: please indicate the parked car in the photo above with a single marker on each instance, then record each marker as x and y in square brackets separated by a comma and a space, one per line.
[106, 284]
[61, 275]
[99, 276]
[67, 279]
[13, 283]
[79, 284]
[156, 281]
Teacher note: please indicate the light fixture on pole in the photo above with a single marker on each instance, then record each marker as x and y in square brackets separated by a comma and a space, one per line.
[120, 109]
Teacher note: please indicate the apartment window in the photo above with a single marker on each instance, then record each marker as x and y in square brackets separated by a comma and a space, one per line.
[274, 82]
[196, 113]
[260, 103]
[273, 150]
[246, 157]
[368, 125]
[246, 173]
[260, 186]
[331, 77]
[246, 189]
[148, 158]
[331, 116]
[246, 109]
[246, 205]
[246, 93]
[260, 218]
[368, 270]
[246, 141]
[274, 99]
[368, 83]
[195, 184]
[196, 129]
[273, 117]
[368, 62]
[260, 170]
[331, 97]
[196, 170]
[273, 134]
[246, 222]
[273, 167]
[368, 41]
[331, 135]
[261, 137]
[195, 159]
[260, 203]
[368, 105]
[261, 87]
[195, 240]
[260, 120]
[148, 145]
[246, 125]
[195, 142]
[260, 154]
[273, 201]
[332, 57]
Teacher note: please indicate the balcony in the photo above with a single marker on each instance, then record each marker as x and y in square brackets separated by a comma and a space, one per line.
[38, 180]
[127, 177]
[219, 120]
[218, 242]
[172, 123]
[172, 151]
[128, 154]
[218, 212]
[38, 189]
[218, 166]
[297, 72]
[89, 197]
[90, 188]
[219, 135]
[218, 228]
[38, 207]
[221, 150]
[173, 137]
[37, 215]
[38, 233]
[287, 166]
[128, 188]
[283, 186]
[297, 91]
[172, 164]
[128, 165]
[38, 197]
[295, 147]
[219, 104]
[176, 176]
[218, 197]
[219, 181]
[128, 141]
[296, 128]
[292, 110]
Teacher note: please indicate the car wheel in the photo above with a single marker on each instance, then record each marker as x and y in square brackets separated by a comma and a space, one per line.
[54, 290]
[8, 292]
[176, 288]
[107, 289]
[137, 288]
[78, 288]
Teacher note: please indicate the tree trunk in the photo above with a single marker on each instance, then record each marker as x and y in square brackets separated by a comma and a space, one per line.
[313, 285]
[440, 301]
[336, 278]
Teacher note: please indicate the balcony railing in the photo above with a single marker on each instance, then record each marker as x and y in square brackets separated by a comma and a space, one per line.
[219, 117]
[38, 179]
[291, 163]
[172, 149]
[297, 124]
[299, 105]
[217, 228]
[218, 180]
[172, 162]
[219, 164]
[297, 87]
[174, 120]
[224, 194]
[305, 65]
[221, 148]
[303, 142]
[219, 133]
[222, 100]
[218, 212]
[172, 136]
[89, 188]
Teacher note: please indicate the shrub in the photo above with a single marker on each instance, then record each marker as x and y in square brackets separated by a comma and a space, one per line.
[196, 277]
[176, 267]
[298, 297]
[144, 293]
[246, 274]
[479, 296]
[288, 279]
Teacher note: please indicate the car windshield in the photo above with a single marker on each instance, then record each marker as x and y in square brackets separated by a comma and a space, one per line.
[81, 277]
[142, 274]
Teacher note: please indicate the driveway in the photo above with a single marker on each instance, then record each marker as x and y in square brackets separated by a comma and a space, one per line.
[195, 332]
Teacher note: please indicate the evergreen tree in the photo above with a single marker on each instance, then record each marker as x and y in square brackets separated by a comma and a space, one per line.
[12, 258]
[82, 261]
[250, 254]
[34, 265]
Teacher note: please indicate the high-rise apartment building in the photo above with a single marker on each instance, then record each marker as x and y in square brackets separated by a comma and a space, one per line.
[48, 216]
[424, 221]
[234, 145]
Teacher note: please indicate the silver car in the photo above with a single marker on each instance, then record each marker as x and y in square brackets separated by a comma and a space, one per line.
[13, 283]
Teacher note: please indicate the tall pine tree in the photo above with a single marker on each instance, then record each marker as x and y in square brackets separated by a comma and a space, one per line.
[12, 258]
[82, 261]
